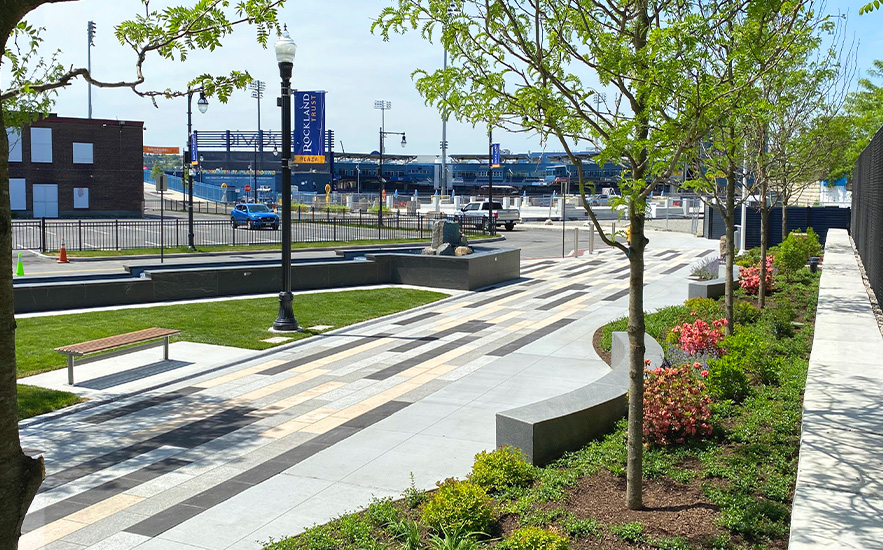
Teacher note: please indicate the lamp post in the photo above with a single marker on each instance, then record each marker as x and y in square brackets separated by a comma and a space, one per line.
[285, 51]
[383, 134]
[202, 104]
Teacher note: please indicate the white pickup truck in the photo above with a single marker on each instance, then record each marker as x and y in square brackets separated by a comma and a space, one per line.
[476, 214]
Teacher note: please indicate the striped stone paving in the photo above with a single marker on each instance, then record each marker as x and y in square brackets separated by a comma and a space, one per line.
[269, 445]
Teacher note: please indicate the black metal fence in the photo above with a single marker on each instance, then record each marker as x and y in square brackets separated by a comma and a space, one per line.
[820, 218]
[48, 235]
[867, 211]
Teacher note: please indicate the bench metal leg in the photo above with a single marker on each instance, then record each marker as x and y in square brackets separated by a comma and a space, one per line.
[70, 370]
[166, 348]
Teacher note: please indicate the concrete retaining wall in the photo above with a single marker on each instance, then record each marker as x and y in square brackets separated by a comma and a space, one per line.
[547, 429]
[484, 268]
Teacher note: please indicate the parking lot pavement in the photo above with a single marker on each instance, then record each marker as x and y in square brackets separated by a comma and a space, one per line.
[221, 456]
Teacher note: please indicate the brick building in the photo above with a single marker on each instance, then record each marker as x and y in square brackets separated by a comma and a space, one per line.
[76, 168]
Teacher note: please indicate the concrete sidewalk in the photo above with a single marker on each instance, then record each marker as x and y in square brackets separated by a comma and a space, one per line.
[225, 455]
[838, 500]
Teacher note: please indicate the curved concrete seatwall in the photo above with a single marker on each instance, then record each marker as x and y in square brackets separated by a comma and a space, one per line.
[547, 429]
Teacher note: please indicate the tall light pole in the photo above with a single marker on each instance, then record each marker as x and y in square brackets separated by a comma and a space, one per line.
[444, 140]
[90, 31]
[257, 92]
[285, 51]
[202, 104]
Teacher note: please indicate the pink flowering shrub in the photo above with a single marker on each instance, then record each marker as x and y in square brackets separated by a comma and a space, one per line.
[700, 337]
[749, 277]
[676, 405]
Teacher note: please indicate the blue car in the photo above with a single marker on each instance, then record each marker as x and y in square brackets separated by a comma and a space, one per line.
[254, 215]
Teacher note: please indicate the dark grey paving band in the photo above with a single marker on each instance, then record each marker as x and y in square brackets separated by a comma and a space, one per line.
[322, 354]
[141, 405]
[511, 347]
[179, 513]
[402, 366]
[417, 318]
[557, 292]
[672, 269]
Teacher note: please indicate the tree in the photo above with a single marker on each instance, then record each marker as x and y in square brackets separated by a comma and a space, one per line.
[170, 33]
[526, 65]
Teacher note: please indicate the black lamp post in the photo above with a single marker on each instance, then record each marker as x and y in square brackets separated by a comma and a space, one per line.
[285, 51]
[202, 104]
[383, 134]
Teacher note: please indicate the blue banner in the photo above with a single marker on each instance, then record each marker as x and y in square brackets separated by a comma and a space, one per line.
[309, 127]
[194, 154]
[495, 155]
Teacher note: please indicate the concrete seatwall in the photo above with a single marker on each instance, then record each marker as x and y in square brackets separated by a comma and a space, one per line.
[545, 430]
[163, 285]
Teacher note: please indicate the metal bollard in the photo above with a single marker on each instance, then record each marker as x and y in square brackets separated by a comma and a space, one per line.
[592, 241]
[576, 243]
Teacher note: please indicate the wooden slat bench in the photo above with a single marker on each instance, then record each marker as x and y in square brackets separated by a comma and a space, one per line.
[113, 342]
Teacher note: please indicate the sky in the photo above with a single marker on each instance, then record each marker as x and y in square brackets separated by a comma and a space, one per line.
[336, 53]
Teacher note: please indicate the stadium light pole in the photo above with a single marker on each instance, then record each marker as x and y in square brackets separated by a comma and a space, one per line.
[202, 104]
[257, 91]
[285, 52]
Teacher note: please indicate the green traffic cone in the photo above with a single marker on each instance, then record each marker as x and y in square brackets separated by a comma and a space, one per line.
[20, 268]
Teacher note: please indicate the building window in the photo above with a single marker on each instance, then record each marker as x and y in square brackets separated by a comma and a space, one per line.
[14, 139]
[41, 145]
[18, 199]
[81, 197]
[82, 153]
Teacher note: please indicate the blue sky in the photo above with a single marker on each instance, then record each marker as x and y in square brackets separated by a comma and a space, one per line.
[336, 53]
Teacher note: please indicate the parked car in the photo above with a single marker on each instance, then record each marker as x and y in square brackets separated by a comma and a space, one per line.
[601, 199]
[254, 215]
[476, 214]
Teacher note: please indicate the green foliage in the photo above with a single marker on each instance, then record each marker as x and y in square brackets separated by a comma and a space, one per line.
[727, 379]
[657, 324]
[796, 250]
[534, 538]
[706, 308]
[744, 313]
[633, 532]
[382, 512]
[706, 269]
[405, 531]
[459, 506]
[501, 468]
[581, 528]
[674, 543]
[454, 540]
[777, 320]
[413, 496]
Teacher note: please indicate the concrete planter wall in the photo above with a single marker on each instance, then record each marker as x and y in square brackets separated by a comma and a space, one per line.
[545, 430]
[486, 267]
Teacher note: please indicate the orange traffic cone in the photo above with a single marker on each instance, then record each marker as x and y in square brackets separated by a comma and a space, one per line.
[62, 254]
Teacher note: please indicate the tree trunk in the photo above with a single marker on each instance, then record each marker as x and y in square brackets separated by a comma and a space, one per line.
[729, 215]
[764, 222]
[20, 475]
[784, 221]
[636, 329]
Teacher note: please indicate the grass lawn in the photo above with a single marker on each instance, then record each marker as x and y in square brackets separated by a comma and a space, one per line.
[237, 323]
[33, 400]
[727, 488]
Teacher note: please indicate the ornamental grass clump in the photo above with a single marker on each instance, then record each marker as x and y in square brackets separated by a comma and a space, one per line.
[749, 277]
[699, 337]
[676, 405]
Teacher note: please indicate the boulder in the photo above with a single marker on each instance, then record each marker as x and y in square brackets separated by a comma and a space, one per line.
[462, 251]
[428, 251]
[446, 249]
[445, 231]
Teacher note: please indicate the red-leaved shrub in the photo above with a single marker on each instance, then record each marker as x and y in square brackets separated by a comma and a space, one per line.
[749, 277]
[676, 405]
[700, 337]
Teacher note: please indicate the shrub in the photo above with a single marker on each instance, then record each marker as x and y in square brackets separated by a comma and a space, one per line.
[778, 321]
[744, 313]
[700, 337]
[629, 532]
[704, 308]
[749, 277]
[459, 506]
[497, 470]
[534, 538]
[727, 379]
[796, 250]
[581, 528]
[676, 406]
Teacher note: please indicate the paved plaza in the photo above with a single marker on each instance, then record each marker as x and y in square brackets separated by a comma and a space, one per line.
[224, 448]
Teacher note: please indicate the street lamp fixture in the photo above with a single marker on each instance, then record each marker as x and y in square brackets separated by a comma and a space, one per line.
[202, 105]
[285, 52]
[383, 134]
